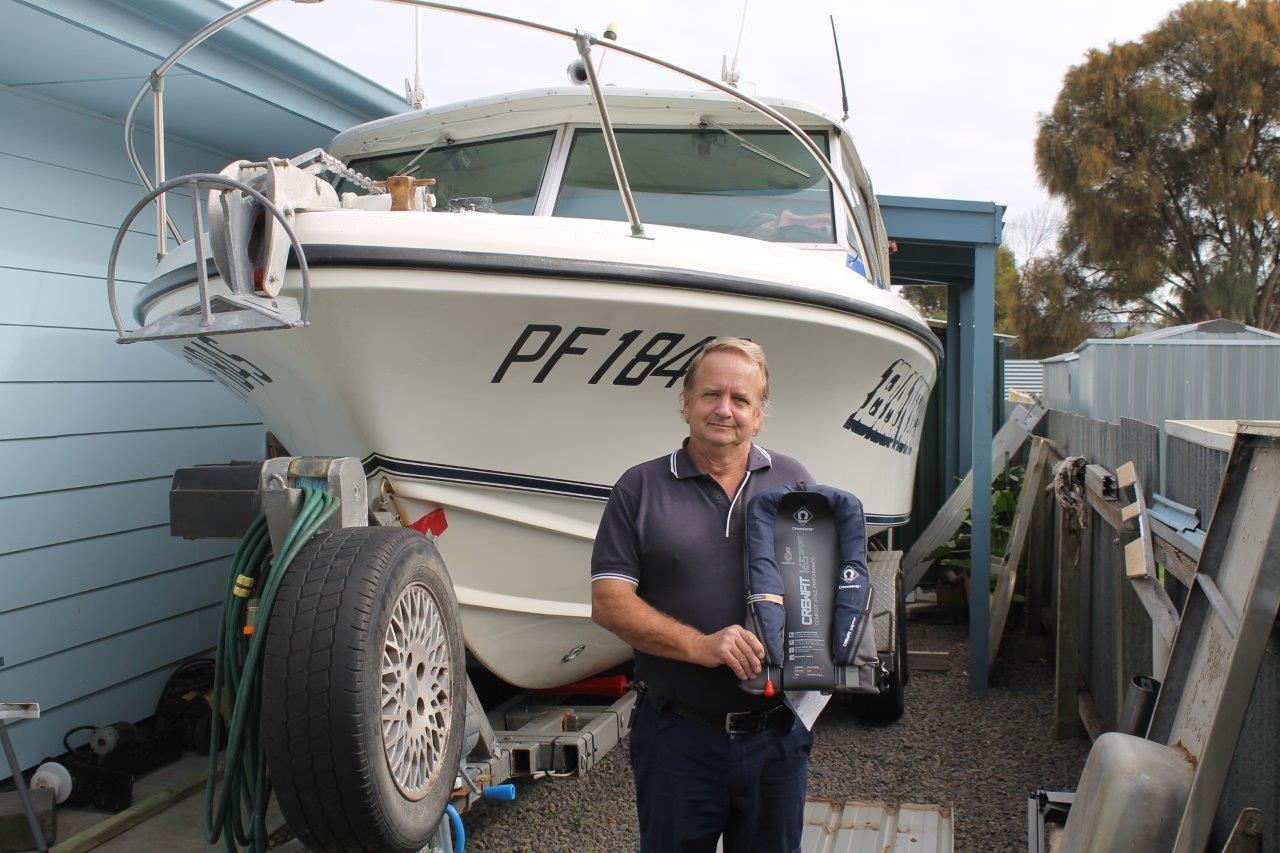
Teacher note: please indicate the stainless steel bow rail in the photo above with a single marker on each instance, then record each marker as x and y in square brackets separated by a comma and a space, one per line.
[275, 309]
[586, 41]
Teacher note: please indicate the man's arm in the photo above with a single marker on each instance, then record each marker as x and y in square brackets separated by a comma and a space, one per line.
[617, 608]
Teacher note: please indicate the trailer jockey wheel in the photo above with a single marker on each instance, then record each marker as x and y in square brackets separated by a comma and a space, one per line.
[364, 691]
[889, 704]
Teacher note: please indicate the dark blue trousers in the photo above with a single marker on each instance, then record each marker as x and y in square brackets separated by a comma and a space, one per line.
[695, 783]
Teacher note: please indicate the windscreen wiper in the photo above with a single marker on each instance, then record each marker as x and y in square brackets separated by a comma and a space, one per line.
[412, 164]
[754, 149]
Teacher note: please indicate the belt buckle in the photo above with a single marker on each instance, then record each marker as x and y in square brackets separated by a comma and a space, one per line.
[729, 720]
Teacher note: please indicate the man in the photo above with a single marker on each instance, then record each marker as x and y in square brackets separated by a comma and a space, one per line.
[668, 578]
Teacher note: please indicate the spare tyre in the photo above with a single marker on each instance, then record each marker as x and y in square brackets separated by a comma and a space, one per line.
[364, 691]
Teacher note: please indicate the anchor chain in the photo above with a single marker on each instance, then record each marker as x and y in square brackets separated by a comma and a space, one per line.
[337, 167]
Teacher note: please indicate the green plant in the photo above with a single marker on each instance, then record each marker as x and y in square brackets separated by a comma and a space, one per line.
[954, 553]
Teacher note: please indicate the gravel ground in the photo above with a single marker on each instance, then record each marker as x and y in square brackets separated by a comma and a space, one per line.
[984, 754]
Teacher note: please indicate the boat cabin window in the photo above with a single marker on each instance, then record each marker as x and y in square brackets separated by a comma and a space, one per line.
[756, 183]
[507, 170]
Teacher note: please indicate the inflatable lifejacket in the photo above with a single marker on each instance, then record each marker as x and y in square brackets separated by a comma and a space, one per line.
[809, 593]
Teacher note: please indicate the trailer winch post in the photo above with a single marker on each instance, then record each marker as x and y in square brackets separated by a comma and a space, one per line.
[281, 481]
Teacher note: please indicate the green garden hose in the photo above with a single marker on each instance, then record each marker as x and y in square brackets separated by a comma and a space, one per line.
[239, 812]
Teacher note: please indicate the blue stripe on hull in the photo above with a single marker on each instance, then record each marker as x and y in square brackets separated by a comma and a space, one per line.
[413, 469]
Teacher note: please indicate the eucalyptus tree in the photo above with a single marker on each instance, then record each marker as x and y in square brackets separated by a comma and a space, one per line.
[1165, 152]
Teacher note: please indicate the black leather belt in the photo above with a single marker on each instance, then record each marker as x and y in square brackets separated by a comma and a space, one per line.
[733, 722]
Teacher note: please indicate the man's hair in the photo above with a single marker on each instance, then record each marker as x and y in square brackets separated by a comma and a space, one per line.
[750, 349]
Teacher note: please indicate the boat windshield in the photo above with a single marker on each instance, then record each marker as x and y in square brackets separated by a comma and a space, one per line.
[507, 170]
[756, 183]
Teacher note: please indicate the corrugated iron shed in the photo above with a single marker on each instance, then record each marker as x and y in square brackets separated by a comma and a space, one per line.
[1214, 369]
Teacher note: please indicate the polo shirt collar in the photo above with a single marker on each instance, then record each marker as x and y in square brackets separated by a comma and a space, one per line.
[683, 467]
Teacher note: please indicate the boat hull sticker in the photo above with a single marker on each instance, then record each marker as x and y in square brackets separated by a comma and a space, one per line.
[891, 414]
[237, 373]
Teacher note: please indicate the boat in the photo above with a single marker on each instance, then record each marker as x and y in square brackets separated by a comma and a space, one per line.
[499, 343]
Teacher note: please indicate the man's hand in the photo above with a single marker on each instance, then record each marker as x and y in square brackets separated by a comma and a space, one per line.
[735, 647]
[617, 608]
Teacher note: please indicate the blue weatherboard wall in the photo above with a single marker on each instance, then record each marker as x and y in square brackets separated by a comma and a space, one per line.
[97, 601]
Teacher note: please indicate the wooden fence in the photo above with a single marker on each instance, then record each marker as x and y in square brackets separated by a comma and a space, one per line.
[1103, 629]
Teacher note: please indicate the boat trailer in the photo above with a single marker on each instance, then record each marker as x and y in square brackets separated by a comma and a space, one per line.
[455, 752]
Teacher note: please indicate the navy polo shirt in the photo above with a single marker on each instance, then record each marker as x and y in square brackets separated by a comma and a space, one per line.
[673, 532]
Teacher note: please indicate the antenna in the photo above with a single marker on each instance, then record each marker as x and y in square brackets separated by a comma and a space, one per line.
[844, 93]
[729, 73]
[414, 95]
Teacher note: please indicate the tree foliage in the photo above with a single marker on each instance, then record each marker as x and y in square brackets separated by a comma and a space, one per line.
[1054, 310]
[1006, 290]
[931, 300]
[1166, 153]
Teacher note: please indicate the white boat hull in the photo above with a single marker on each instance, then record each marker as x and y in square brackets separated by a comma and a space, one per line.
[514, 401]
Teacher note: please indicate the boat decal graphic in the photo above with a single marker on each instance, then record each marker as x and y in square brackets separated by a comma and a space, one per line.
[661, 356]
[376, 463]
[234, 371]
[892, 413]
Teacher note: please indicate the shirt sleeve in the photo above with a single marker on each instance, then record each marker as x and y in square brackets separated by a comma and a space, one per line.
[616, 554]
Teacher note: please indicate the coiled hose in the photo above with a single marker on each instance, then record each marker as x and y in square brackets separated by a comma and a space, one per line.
[239, 812]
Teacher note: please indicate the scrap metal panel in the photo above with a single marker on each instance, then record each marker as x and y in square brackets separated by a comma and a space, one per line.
[1195, 457]
[1227, 627]
[1024, 375]
[875, 827]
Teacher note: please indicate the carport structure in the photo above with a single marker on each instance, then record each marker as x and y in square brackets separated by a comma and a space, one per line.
[953, 243]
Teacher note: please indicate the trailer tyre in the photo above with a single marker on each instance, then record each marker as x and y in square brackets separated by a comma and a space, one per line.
[364, 691]
[889, 705]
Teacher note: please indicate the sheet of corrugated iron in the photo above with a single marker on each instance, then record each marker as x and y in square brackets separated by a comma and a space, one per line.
[1024, 375]
[874, 827]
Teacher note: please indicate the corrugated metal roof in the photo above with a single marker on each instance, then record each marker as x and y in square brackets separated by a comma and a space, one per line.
[874, 827]
[1205, 332]
[1212, 329]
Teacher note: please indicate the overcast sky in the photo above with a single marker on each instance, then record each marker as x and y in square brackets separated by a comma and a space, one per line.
[943, 95]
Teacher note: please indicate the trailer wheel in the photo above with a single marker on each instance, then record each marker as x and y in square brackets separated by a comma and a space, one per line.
[890, 704]
[364, 691]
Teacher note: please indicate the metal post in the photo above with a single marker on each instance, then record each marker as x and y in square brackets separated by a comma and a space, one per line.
[157, 104]
[23, 794]
[131, 116]
[610, 141]
[965, 353]
[982, 302]
[952, 470]
[202, 272]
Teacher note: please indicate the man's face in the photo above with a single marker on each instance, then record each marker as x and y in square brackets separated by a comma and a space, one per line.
[724, 408]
